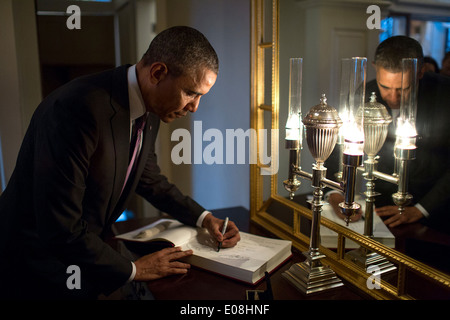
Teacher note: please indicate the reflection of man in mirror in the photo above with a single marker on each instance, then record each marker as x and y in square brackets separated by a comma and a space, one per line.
[429, 177]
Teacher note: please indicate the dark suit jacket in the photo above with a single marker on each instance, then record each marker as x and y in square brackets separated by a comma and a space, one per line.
[65, 191]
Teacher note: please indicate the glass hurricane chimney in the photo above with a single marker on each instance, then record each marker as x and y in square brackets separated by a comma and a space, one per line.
[406, 123]
[294, 126]
[353, 131]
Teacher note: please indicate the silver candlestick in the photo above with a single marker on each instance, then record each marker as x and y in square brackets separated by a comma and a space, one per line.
[376, 122]
[322, 126]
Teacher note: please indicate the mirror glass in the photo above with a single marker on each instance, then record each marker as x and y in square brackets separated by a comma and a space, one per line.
[323, 35]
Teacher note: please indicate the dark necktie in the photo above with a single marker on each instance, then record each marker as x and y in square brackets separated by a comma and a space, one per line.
[136, 141]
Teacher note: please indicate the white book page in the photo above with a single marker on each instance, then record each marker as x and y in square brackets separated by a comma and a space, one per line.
[379, 228]
[167, 229]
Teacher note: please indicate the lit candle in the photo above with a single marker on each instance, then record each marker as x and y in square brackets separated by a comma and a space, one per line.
[406, 123]
[353, 127]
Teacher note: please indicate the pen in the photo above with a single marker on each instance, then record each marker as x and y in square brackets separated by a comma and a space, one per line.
[224, 228]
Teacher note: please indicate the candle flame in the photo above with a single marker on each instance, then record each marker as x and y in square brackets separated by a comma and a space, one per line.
[293, 127]
[406, 135]
[353, 139]
[405, 129]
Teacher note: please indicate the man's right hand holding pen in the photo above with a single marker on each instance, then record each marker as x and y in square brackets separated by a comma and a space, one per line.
[165, 262]
[215, 225]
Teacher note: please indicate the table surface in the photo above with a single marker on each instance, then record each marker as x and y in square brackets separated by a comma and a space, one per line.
[199, 284]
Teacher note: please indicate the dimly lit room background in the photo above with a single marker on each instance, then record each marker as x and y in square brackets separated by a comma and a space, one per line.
[39, 53]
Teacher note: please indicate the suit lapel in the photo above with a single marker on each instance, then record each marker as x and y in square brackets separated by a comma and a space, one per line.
[151, 129]
[120, 128]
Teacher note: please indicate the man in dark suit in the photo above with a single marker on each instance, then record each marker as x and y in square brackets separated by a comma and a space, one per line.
[429, 176]
[79, 164]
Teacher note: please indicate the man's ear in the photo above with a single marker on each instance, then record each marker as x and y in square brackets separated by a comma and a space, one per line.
[157, 72]
[421, 72]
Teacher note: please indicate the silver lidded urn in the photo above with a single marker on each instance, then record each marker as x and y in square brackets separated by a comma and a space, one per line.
[322, 127]
[376, 123]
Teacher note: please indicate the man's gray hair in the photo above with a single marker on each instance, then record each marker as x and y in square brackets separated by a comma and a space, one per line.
[183, 49]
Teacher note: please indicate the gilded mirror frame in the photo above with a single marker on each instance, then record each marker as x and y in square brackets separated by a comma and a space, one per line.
[265, 17]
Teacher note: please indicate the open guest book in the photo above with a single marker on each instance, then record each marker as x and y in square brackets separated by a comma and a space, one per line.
[247, 261]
